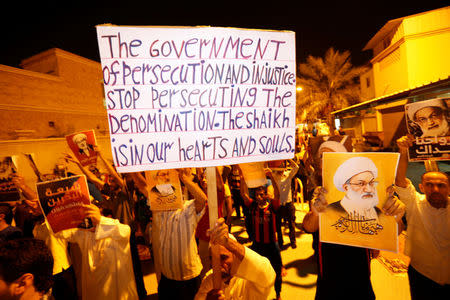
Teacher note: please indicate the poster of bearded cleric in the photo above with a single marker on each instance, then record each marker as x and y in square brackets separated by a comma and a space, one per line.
[428, 122]
[82, 145]
[8, 190]
[62, 202]
[356, 186]
[165, 190]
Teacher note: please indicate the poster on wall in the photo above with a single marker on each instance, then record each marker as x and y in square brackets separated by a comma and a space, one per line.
[428, 122]
[164, 190]
[8, 190]
[198, 96]
[62, 202]
[356, 186]
[82, 146]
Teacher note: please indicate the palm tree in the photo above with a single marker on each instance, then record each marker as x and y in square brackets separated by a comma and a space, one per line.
[328, 84]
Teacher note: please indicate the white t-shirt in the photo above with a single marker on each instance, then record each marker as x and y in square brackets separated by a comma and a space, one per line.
[106, 267]
[253, 279]
[428, 235]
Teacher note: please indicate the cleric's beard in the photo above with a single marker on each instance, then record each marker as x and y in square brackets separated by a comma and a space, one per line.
[441, 130]
[355, 204]
[165, 189]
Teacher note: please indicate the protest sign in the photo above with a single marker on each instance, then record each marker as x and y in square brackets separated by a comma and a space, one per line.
[164, 190]
[254, 174]
[61, 202]
[427, 121]
[197, 96]
[8, 190]
[356, 191]
[82, 145]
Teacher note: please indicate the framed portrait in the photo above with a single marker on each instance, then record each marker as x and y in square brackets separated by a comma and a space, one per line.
[82, 146]
[164, 190]
[428, 122]
[356, 186]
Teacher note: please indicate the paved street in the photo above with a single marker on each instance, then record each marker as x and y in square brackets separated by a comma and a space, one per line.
[300, 264]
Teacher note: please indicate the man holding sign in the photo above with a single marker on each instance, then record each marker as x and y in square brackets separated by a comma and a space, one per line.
[180, 279]
[344, 270]
[245, 273]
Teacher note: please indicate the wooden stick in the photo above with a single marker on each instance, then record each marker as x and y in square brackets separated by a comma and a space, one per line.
[213, 214]
[431, 165]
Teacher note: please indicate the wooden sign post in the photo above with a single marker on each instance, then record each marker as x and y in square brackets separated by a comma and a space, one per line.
[213, 214]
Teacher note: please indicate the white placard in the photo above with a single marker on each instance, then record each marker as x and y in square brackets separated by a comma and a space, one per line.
[197, 96]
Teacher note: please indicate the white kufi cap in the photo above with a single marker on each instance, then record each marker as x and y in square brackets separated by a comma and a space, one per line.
[352, 167]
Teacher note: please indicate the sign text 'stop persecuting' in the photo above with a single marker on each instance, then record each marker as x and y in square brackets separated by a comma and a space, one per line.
[197, 96]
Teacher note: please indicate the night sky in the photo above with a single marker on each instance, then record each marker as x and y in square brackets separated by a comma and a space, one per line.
[344, 25]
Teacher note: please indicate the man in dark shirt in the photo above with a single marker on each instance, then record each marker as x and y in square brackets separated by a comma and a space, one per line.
[262, 210]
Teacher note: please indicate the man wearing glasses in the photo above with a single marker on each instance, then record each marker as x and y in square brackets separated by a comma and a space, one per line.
[357, 178]
[431, 116]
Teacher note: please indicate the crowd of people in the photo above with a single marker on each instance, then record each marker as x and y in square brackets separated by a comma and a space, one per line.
[103, 260]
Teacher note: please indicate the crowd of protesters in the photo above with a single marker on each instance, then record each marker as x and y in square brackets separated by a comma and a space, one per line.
[104, 261]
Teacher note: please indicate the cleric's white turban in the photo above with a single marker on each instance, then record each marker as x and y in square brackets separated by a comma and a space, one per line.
[414, 107]
[352, 167]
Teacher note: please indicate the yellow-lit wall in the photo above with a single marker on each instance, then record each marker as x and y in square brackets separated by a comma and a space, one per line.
[417, 54]
[54, 86]
[391, 71]
[71, 97]
[367, 85]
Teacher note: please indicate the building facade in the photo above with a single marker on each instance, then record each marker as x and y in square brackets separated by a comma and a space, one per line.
[53, 94]
[410, 63]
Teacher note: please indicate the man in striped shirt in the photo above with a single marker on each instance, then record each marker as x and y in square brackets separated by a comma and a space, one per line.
[176, 251]
[262, 209]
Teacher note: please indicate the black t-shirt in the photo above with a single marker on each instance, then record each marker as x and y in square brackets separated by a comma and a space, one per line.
[343, 272]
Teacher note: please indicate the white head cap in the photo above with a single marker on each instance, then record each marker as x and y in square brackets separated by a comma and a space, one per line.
[414, 107]
[352, 167]
[79, 136]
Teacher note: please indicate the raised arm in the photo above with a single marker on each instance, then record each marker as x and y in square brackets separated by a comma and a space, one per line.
[19, 182]
[403, 144]
[199, 196]
[111, 170]
[140, 182]
[244, 189]
[276, 189]
[90, 176]
[219, 235]
[318, 205]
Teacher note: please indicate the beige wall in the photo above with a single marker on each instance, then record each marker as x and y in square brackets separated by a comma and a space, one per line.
[71, 98]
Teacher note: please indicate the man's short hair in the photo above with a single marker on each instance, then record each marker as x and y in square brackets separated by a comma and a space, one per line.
[445, 174]
[21, 256]
[6, 209]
